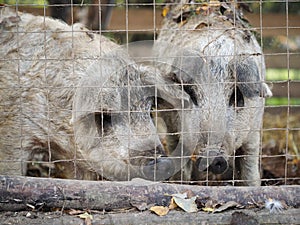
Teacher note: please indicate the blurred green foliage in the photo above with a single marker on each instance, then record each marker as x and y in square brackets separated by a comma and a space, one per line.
[282, 101]
[25, 2]
[39, 2]
[282, 74]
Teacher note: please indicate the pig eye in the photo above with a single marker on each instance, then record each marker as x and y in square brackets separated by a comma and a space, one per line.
[188, 88]
[103, 121]
[236, 98]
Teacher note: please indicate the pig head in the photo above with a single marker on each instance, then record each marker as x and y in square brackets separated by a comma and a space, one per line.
[228, 100]
[220, 65]
[113, 125]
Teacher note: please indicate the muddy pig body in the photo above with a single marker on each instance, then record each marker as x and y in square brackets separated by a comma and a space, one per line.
[68, 92]
[208, 50]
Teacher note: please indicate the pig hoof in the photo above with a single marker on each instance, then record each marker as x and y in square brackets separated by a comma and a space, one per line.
[159, 170]
[219, 165]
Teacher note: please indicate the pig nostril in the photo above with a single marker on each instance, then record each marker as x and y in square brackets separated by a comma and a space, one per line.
[219, 165]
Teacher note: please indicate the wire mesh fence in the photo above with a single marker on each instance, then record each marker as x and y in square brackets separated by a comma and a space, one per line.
[165, 91]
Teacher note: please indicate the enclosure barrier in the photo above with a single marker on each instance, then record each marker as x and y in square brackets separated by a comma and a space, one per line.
[194, 187]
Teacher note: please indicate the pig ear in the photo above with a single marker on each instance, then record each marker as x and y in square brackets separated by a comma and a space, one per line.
[166, 89]
[248, 77]
[266, 91]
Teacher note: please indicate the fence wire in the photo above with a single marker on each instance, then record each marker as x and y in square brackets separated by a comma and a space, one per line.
[160, 90]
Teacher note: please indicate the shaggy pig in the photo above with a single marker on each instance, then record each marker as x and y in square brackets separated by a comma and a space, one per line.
[77, 96]
[208, 50]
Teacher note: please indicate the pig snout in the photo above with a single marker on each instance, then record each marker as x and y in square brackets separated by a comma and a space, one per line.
[213, 161]
[219, 165]
[159, 169]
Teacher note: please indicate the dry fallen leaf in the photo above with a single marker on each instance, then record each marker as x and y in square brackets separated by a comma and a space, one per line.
[187, 204]
[210, 205]
[160, 210]
[165, 11]
[208, 209]
[85, 216]
[172, 205]
[73, 212]
[226, 206]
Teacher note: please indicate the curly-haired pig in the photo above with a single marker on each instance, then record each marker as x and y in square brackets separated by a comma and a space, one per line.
[77, 96]
[208, 51]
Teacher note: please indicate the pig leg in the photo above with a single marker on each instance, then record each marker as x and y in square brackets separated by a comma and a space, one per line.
[247, 164]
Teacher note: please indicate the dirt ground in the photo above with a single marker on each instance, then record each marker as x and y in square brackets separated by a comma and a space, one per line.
[233, 217]
[280, 149]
